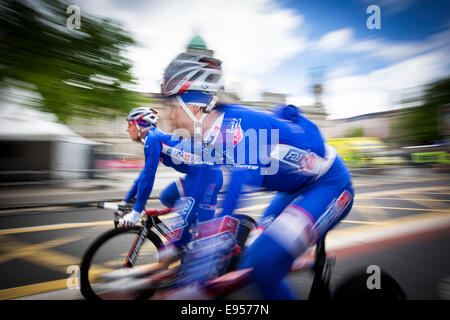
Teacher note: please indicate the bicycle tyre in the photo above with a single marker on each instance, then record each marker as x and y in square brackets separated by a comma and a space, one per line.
[85, 285]
[354, 287]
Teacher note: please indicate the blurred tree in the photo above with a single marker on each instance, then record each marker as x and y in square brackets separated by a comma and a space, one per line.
[355, 132]
[77, 72]
[423, 124]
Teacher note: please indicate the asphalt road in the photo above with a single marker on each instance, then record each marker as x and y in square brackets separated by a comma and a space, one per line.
[409, 214]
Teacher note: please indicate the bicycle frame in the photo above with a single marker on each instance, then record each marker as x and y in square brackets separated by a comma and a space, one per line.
[321, 264]
[234, 280]
[151, 221]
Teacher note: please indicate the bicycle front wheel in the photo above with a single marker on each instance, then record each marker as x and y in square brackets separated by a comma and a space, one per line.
[110, 252]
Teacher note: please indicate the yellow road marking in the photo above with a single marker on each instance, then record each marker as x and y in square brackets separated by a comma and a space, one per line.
[429, 203]
[50, 208]
[42, 287]
[264, 206]
[333, 235]
[410, 199]
[39, 253]
[363, 222]
[372, 194]
[27, 290]
[56, 227]
[365, 195]
[35, 209]
[406, 180]
[399, 208]
[346, 221]
[373, 211]
[394, 221]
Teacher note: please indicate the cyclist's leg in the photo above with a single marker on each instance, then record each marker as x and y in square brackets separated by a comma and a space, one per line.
[279, 202]
[206, 206]
[180, 227]
[270, 263]
[306, 220]
[172, 193]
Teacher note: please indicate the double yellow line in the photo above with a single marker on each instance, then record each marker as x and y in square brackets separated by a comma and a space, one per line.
[31, 289]
[28, 290]
[56, 227]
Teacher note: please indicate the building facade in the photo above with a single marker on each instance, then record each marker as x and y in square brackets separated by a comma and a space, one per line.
[114, 131]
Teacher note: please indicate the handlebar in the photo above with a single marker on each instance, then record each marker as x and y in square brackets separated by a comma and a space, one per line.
[108, 205]
[157, 212]
[148, 212]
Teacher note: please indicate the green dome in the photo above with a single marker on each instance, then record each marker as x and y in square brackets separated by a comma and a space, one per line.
[198, 43]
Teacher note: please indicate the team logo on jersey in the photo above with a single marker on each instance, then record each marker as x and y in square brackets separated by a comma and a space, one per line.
[209, 193]
[236, 130]
[293, 156]
[178, 154]
[188, 206]
[333, 212]
[179, 221]
[305, 160]
[212, 135]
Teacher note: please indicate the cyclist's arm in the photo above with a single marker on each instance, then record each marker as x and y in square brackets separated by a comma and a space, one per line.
[132, 193]
[152, 150]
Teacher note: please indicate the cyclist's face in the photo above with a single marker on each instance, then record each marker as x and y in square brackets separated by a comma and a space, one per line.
[179, 118]
[133, 131]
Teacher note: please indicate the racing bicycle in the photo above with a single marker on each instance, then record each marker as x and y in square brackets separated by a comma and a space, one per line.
[121, 248]
[134, 247]
[139, 250]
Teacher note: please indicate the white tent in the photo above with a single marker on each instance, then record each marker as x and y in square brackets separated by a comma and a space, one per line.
[22, 123]
[70, 154]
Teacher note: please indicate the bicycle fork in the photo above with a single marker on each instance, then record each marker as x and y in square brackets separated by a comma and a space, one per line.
[136, 247]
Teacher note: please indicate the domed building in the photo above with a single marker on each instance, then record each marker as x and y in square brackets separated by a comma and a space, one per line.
[198, 46]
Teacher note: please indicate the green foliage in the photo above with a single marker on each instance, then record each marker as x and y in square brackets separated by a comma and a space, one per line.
[77, 72]
[423, 124]
[355, 132]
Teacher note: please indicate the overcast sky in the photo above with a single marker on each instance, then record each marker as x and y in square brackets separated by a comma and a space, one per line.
[278, 46]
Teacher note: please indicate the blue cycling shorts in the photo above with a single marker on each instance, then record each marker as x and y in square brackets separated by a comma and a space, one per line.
[185, 189]
[294, 222]
[318, 207]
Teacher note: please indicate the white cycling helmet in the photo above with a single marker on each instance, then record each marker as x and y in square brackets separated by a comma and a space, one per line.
[143, 117]
[197, 78]
[192, 72]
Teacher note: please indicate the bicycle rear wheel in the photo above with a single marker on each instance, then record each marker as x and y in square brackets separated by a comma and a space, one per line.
[110, 252]
[355, 288]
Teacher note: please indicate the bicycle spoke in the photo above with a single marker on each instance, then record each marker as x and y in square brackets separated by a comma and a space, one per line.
[110, 255]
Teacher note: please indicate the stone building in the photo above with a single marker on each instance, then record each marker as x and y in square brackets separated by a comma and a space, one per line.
[114, 132]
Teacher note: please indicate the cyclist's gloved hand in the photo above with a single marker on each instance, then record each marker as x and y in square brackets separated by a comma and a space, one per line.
[130, 219]
[120, 212]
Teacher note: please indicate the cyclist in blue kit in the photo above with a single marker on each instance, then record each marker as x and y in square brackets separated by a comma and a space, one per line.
[174, 152]
[291, 157]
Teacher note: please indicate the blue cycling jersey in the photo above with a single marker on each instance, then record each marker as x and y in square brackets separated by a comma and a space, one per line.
[172, 151]
[268, 152]
[314, 187]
